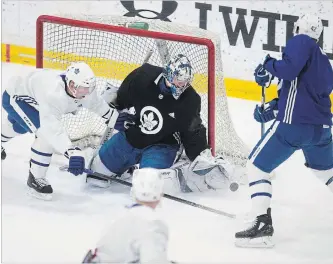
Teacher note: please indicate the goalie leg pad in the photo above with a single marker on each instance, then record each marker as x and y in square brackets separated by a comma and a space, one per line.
[214, 172]
[217, 178]
[174, 181]
[180, 179]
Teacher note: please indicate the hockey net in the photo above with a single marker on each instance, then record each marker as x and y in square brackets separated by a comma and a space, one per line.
[113, 48]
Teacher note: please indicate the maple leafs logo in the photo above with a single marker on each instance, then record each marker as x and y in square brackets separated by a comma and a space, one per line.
[149, 122]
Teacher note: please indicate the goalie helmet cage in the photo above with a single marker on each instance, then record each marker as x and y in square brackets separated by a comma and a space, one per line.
[113, 49]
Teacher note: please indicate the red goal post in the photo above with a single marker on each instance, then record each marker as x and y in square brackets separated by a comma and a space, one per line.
[61, 40]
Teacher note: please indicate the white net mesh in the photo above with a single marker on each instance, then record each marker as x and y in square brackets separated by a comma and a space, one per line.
[113, 55]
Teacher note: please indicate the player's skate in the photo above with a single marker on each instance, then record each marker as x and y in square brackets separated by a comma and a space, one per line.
[259, 234]
[39, 188]
[3, 153]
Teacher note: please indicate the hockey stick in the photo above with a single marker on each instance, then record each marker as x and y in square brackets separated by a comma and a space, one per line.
[263, 100]
[163, 50]
[110, 126]
[114, 115]
[148, 55]
[171, 197]
[161, 44]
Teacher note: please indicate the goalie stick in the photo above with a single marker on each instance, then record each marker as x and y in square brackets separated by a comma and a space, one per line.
[171, 197]
[114, 115]
[110, 126]
[161, 45]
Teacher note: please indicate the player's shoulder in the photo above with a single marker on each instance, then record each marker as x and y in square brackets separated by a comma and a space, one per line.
[57, 86]
[191, 96]
[146, 75]
[302, 41]
[56, 94]
[149, 220]
[143, 213]
[148, 72]
[151, 69]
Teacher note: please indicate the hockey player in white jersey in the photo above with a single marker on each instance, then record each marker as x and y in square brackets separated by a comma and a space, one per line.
[138, 236]
[35, 103]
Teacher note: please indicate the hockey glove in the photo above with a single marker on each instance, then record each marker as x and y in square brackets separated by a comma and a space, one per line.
[124, 121]
[267, 58]
[76, 163]
[269, 113]
[110, 94]
[262, 76]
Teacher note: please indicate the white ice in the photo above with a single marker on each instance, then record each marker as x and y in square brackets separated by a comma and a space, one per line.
[62, 230]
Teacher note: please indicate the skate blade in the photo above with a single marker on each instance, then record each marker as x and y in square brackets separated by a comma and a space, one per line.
[258, 242]
[42, 196]
[97, 183]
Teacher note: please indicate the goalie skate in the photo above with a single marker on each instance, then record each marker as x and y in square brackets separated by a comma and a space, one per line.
[259, 235]
[39, 188]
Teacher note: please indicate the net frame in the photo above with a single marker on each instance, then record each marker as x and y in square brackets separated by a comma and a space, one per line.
[139, 33]
[230, 146]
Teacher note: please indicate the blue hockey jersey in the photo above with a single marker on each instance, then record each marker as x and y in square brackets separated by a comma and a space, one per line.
[307, 82]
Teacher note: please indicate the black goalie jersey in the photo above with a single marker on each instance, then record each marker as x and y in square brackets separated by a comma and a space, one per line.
[159, 117]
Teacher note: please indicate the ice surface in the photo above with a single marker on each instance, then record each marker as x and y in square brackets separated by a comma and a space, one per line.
[61, 230]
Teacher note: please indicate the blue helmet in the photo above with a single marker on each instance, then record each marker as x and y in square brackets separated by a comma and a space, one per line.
[179, 73]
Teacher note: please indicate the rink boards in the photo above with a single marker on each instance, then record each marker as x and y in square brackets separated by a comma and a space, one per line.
[237, 88]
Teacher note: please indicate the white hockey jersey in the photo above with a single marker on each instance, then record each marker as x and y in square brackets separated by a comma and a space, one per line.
[136, 237]
[45, 90]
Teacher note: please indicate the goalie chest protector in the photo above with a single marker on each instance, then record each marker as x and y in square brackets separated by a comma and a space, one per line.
[158, 115]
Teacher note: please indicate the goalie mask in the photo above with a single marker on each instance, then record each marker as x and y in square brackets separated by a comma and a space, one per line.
[309, 25]
[80, 79]
[179, 74]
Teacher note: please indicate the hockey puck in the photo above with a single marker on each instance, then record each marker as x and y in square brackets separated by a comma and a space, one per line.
[234, 186]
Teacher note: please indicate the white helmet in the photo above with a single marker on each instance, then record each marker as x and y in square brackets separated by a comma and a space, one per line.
[147, 185]
[83, 78]
[309, 25]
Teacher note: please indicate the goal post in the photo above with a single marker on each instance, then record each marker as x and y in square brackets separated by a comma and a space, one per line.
[114, 50]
